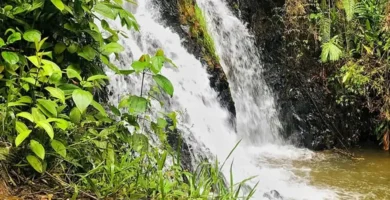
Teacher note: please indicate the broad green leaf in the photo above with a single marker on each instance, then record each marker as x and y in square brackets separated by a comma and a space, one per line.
[115, 110]
[31, 80]
[57, 93]
[68, 88]
[98, 77]
[47, 127]
[73, 74]
[25, 99]
[32, 36]
[157, 64]
[139, 66]
[37, 115]
[75, 116]
[26, 115]
[2, 43]
[59, 48]
[34, 60]
[61, 123]
[99, 107]
[104, 10]
[112, 47]
[164, 83]
[58, 4]
[10, 57]
[82, 99]
[87, 53]
[72, 48]
[16, 36]
[35, 163]
[49, 106]
[59, 148]
[38, 149]
[162, 123]
[51, 67]
[137, 104]
[21, 137]
[37, 4]
[20, 127]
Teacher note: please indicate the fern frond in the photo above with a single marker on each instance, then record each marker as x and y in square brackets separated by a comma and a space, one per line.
[325, 24]
[360, 9]
[331, 51]
[349, 7]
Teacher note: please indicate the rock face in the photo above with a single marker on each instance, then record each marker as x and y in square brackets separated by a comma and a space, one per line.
[307, 104]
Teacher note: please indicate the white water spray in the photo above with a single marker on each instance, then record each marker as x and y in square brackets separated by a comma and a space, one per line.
[209, 132]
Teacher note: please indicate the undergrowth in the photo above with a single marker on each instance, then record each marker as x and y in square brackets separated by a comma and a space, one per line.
[56, 136]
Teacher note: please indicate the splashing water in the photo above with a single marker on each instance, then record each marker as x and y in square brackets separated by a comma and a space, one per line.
[202, 115]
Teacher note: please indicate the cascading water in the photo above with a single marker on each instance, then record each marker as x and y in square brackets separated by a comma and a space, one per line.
[202, 115]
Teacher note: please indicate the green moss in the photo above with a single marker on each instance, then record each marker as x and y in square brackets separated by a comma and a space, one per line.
[193, 16]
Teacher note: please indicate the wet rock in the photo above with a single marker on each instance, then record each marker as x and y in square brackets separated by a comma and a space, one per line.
[218, 81]
[273, 195]
[307, 104]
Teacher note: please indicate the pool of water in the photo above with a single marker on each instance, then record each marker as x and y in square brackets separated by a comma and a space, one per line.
[367, 177]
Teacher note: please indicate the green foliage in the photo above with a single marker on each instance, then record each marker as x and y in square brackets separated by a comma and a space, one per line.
[331, 50]
[51, 69]
[349, 8]
[360, 44]
[193, 16]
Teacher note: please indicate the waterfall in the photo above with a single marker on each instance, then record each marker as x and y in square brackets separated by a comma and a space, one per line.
[202, 118]
[257, 120]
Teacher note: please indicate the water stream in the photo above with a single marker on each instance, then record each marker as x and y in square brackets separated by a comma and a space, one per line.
[278, 166]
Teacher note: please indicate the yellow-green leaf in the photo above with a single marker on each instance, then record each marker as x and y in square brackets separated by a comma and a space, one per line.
[112, 47]
[47, 105]
[99, 107]
[57, 93]
[37, 115]
[32, 36]
[21, 137]
[26, 115]
[58, 4]
[38, 149]
[47, 127]
[59, 148]
[10, 57]
[35, 163]
[82, 99]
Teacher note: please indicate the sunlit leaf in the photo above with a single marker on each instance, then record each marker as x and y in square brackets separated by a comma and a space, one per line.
[82, 99]
[47, 127]
[26, 115]
[57, 93]
[10, 57]
[38, 149]
[32, 36]
[112, 47]
[58, 4]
